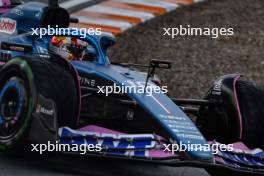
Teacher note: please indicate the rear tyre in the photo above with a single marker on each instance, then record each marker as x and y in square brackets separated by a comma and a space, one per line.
[251, 101]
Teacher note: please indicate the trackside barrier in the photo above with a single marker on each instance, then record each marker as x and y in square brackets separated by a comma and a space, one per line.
[116, 16]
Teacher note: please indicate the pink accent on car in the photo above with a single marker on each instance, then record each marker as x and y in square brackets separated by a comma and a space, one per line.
[238, 107]
[78, 86]
[155, 153]
[240, 145]
[4, 3]
[160, 154]
[94, 128]
[219, 159]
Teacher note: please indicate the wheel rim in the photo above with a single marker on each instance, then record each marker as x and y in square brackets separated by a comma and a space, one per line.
[13, 98]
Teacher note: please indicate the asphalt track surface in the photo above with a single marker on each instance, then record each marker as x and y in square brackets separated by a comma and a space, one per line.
[69, 166]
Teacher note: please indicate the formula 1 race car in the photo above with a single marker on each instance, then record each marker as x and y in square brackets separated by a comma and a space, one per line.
[61, 89]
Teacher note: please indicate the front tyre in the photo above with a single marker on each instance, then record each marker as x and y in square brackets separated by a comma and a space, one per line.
[17, 99]
[24, 83]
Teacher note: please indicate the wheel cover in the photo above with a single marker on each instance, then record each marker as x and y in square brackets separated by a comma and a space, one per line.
[13, 99]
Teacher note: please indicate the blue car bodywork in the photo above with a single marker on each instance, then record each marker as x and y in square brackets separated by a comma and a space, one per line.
[159, 106]
[150, 122]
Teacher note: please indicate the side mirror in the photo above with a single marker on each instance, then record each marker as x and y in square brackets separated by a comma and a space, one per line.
[74, 20]
[160, 64]
[156, 64]
[107, 41]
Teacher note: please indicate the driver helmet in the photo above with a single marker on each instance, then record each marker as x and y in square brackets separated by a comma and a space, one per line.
[70, 48]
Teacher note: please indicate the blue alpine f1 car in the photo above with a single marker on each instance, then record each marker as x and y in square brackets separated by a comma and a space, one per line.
[64, 90]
